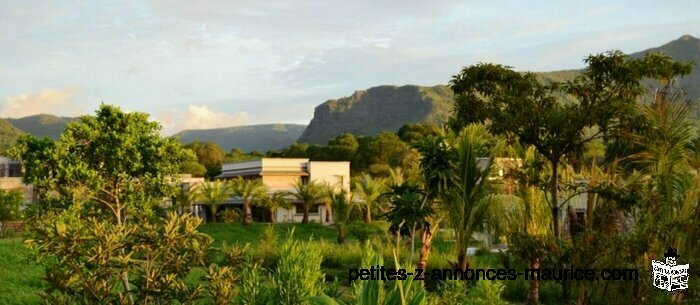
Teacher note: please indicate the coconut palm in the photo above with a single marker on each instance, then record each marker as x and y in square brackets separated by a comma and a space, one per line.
[249, 190]
[274, 201]
[470, 194]
[341, 208]
[213, 194]
[370, 191]
[186, 197]
[309, 194]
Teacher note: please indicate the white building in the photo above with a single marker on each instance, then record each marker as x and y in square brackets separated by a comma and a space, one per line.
[280, 174]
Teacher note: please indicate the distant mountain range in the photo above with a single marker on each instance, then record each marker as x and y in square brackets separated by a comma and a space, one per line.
[253, 137]
[364, 113]
[387, 108]
[42, 125]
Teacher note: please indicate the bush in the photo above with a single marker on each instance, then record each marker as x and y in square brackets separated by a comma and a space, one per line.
[298, 274]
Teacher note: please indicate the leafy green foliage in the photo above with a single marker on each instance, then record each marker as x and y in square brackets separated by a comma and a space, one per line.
[97, 233]
[210, 155]
[10, 208]
[298, 274]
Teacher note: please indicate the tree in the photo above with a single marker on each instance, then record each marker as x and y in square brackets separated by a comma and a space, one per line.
[193, 168]
[409, 210]
[309, 194]
[371, 193]
[10, 208]
[470, 194]
[213, 194]
[98, 189]
[185, 197]
[341, 207]
[521, 107]
[249, 190]
[343, 147]
[274, 201]
[210, 155]
[415, 133]
[526, 218]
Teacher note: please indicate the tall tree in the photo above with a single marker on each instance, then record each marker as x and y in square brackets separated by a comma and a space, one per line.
[370, 191]
[471, 193]
[209, 154]
[519, 106]
[213, 194]
[99, 187]
[249, 190]
[309, 194]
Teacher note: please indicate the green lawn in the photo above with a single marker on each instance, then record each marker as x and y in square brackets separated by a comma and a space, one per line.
[20, 277]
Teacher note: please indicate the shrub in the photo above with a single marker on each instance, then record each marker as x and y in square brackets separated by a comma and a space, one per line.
[230, 215]
[298, 274]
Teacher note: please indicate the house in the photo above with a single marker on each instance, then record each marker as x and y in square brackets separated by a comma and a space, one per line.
[280, 174]
[11, 178]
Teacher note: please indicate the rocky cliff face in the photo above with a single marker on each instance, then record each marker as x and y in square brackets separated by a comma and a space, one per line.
[383, 108]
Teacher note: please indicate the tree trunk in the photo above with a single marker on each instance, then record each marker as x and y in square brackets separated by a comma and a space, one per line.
[341, 234]
[213, 209]
[305, 220]
[272, 216]
[533, 294]
[554, 185]
[463, 260]
[246, 213]
[426, 246]
[328, 213]
[368, 215]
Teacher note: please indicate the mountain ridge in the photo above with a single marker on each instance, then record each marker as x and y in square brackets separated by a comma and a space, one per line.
[261, 137]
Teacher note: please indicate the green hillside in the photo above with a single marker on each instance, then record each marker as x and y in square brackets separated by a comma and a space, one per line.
[685, 48]
[383, 108]
[253, 137]
[8, 135]
[42, 125]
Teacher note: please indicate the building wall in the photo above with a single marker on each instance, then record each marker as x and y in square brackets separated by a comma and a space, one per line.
[333, 173]
[11, 183]
[279, 183]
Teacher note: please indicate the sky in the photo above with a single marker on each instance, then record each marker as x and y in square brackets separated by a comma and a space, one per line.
[209, 64]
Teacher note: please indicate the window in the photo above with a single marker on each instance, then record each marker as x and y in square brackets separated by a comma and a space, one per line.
[300, 209]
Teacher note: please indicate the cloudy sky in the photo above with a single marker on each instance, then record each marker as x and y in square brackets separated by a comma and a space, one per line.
[205, 64]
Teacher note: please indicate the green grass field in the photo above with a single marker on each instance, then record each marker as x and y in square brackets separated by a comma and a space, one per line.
[20, 276]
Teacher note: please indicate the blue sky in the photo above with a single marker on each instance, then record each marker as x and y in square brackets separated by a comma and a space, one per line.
[205, 64]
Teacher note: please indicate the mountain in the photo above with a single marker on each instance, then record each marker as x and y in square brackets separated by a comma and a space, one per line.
[383, 108]
[254, 137]
[8, 135]
[42, 125]
[685, 48]
[387, 108]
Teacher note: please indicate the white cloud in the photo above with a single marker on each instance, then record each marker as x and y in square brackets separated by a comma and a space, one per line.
[51, 101]
[200, 117]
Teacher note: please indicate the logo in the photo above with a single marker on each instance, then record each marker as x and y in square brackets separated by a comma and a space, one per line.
[668, 275]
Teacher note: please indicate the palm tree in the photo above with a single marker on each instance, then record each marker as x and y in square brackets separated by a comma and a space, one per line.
[248, 190]
[341, 208]
[308, 194]
[213, 194]
[186, 197]
[469, 192]
[274, 201]
[371, 193]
